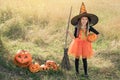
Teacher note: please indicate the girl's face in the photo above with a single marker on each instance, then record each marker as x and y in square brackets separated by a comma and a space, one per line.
[84, 21]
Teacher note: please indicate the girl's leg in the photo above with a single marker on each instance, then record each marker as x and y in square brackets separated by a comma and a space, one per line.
[85, 65]
[77, 65]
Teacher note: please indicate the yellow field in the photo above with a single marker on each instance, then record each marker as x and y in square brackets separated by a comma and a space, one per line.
[54, 11]
[39, 26]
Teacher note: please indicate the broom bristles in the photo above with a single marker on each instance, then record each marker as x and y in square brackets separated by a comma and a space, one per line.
[65, 61]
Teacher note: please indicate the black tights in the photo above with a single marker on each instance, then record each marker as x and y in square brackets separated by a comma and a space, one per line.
[84, 60]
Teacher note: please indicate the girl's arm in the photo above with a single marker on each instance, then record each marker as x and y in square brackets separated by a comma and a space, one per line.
[75, 32]
[71, 35]
[93, 30]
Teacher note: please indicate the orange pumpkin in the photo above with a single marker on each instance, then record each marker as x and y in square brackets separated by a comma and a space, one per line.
[44, 67]
[34, 67]
[50, 63]
[55, 67]
[23, 58]
[91, 37]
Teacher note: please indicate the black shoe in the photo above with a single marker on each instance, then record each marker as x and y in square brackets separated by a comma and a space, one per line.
[77, 73]
[86, 76]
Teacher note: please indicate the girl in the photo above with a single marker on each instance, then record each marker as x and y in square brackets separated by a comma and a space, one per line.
[80, 46]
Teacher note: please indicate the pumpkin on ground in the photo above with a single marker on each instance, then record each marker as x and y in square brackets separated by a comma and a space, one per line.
[23, 58]
[34, 67]
[55, 67]
[44, 67]
[50, 63]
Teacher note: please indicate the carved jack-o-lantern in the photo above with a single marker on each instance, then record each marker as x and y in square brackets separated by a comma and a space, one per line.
[55, 67]
[91, 37]
[23, 58]
[44, 67]
[50, 63]
[34, 67]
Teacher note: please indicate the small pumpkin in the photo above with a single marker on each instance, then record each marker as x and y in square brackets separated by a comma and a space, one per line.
[23, 58]
[44, 67]
[91, 37]
[50, 63]
[55, 67]
[34, 67]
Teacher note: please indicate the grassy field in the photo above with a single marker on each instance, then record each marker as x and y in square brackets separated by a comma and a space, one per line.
[39, 27]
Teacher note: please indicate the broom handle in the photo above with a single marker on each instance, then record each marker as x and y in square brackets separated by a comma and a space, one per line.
[67, 27]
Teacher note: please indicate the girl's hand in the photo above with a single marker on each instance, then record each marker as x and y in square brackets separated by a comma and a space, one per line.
[67, 31]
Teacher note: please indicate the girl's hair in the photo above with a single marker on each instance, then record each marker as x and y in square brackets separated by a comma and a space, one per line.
[79, 27]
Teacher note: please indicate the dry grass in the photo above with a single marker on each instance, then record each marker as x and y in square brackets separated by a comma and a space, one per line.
[53, 11]
[43, 24]
[39, 11]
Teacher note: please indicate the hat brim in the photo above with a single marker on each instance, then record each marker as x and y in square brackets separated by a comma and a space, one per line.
[93, 19]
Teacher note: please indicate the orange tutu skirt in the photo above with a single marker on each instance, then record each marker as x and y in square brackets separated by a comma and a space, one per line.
[80, 48]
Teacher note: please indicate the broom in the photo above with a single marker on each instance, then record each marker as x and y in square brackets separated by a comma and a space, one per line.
[65, 61]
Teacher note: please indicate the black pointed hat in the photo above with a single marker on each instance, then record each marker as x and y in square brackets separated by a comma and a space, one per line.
[93, 19]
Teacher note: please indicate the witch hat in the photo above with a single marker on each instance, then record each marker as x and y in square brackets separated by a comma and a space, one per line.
[93, 19]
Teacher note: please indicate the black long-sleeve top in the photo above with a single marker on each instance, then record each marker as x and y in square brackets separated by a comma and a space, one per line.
[90, 29]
